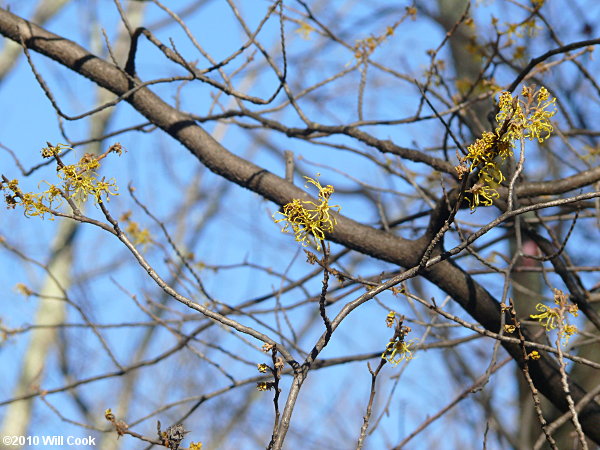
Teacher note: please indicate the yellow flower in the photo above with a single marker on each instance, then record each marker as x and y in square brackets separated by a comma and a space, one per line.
[108, 414]
[517, 120]
[23, 290]
[534, 355]
[398, 350]
[509, 328]
[390, 319]
[262, 368]
[539, 126]
[482, 195]
[569, 331]
[32, 204]
[547, 317]
[305, 30]
[556, 317]
[140, 236]
[307, 218]
[80, 180]
[528, 119]
[480, 150]
[265, 386]
[54, 150]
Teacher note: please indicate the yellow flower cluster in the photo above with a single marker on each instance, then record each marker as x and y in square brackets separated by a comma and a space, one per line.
[528, 118]
[518, 119]
[397, 349]
[307, 218]
[78, 182]
[363, 48]
[33, 204]
[551, 318]
[54, 150]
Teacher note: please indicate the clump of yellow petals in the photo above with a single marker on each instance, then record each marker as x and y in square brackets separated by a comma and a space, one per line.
[519, 119]
[556, 317]
[397, 349]
[390, 319]
[483, 194]
[33, 204]
[309, 219]
[264, 386]
[528, 118]
[78, 182]
[54, 150]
